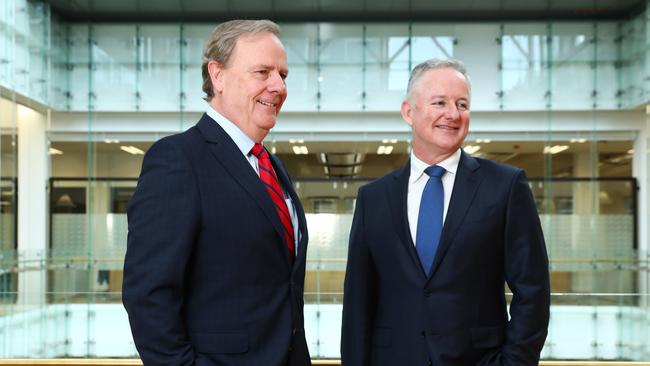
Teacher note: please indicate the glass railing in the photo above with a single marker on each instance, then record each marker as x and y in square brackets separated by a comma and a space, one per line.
[583, 326]
[590, 228]
[70, 303]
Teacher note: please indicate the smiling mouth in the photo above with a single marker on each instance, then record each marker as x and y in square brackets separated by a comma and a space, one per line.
[446, 127]
[267, 104]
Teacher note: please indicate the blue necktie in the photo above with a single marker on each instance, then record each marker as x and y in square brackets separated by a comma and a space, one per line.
[430, 217]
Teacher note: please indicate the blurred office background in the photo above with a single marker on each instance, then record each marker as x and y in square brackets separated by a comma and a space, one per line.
[560, 88]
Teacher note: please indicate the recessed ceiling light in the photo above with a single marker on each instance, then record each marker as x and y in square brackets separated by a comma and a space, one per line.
[132, 150]
[555, 149]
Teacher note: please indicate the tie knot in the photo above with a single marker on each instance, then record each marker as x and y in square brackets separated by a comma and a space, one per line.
[435, 171]
[257, 149]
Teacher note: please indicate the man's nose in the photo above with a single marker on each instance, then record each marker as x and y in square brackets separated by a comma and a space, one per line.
[277, 83]
[452, 111]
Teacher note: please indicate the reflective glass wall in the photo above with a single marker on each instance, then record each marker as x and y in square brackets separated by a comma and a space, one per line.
[8, 205]
[157, 67]
[112, 89]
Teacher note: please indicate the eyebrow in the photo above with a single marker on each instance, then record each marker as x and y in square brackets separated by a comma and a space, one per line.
[268, 67]
[260, 66]
[446, 96]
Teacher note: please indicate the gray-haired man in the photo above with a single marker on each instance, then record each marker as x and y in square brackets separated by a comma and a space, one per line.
[433, 243]
[215, 263]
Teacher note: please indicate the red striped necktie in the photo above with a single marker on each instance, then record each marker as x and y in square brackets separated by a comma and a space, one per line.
[270, 180]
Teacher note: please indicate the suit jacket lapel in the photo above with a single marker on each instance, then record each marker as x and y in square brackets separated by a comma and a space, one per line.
[468, 179]
[397, 192]
[231, 158]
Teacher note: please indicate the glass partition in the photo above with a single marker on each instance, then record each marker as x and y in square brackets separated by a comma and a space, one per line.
[594, 259]
[8, 211]
[87, 255]
[576, 87]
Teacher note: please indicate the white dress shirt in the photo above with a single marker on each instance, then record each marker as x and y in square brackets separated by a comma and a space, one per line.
[245, 144]
[418, 179]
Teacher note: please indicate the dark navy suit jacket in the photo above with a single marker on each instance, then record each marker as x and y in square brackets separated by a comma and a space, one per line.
[394, 315]
[208, 278]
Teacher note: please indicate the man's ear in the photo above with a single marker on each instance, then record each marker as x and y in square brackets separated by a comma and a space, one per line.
[216, 76]
[406, 112]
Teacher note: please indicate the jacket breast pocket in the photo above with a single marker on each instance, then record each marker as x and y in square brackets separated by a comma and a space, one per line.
[220, 343]
[481, 213]
[488, 337]
[381, 337]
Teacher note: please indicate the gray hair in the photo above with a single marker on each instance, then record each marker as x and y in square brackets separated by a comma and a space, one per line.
[433, 64]
[222, 41]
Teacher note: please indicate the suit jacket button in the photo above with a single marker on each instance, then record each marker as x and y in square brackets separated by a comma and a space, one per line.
[427, 293]
[422, 333]
[430, 363]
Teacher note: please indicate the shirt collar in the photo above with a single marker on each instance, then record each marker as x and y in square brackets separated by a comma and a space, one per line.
[243, 142]
[418, 166]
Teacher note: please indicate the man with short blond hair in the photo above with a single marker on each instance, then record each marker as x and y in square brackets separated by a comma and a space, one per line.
[215, 263]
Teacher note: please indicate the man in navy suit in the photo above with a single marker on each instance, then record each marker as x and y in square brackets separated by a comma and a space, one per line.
[433, 243]
[215, 263]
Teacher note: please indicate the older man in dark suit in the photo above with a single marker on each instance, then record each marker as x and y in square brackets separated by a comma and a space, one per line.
[433, 243]
[215, 262]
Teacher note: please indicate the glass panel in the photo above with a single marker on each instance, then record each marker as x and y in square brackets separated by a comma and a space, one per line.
[6, 44]
[194, 39]
[573, 57]
[607, 61]
[159, 70]
[21, 64]
[79, 63]
[60, 64]
[340, 52]
[8, 209]
[431, 41]
[606, 331]
[24, 48]
[70, 232]
[524, 68]
[9, 264]
[386, 59]
[633, 53]
[39, 51]
[300, 42]
[114, 67]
